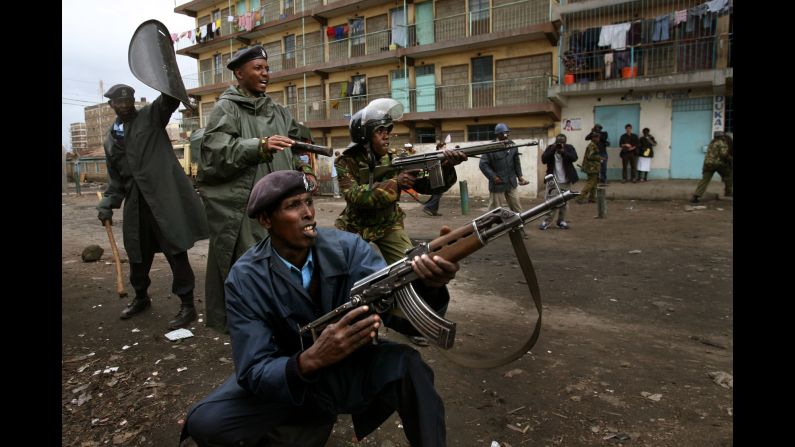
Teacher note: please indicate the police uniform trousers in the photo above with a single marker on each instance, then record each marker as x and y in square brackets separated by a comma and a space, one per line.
[725, 172]
[589, 190]
[371, 384]
[152, 241]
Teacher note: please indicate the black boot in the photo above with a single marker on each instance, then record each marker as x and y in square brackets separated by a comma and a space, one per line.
[186, 314]
[137, 305]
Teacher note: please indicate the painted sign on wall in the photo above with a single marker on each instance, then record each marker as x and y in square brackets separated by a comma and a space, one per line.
[718, 111]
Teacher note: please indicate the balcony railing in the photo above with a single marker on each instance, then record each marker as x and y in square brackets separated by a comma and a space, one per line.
[509, 92]
[663, 37]
[646, 60]
[500, 18]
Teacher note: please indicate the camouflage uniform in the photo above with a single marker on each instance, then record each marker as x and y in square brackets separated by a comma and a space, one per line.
[591, 162]
[375, 213]
[718, 159]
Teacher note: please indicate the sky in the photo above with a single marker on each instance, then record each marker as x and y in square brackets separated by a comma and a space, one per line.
[96, 37]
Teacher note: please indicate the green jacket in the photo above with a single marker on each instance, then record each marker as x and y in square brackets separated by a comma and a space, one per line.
[229, 165]
[717, 155]
[372, 212]
[591, 160]
[146, 163]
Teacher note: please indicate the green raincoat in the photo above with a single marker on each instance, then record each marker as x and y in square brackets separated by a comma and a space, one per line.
[230, 164]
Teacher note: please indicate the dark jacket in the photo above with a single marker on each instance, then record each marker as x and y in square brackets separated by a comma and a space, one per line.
[266, 304]
[569, 156]
[145, 163]
[505, 164]
[647, 143]
[629, 139]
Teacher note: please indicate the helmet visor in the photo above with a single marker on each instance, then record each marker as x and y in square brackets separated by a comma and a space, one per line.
[380, 108]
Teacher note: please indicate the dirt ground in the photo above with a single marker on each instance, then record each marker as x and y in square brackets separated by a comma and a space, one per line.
[637, 315]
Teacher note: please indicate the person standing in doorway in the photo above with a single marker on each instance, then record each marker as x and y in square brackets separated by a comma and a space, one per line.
[629, 154]
[647, 143]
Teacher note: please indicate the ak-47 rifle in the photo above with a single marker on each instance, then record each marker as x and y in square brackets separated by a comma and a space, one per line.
[392, 284]
[430, 163]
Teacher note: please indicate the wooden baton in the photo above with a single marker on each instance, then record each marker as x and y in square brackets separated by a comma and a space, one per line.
[119, 278]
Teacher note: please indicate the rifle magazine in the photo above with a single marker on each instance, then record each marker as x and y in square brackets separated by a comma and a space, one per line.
[434, 327]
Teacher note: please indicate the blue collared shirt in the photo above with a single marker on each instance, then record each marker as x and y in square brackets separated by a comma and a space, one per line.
[304, 274]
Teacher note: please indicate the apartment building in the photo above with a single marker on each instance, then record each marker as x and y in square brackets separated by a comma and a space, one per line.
[661, 64]
[77, 132]
[459, 67]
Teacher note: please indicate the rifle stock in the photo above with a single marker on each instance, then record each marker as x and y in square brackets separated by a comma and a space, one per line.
[392, 285]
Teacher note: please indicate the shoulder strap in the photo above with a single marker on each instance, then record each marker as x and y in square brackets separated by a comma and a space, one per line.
[532, 284]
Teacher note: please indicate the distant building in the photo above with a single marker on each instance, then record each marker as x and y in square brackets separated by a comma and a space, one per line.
[662, 64]
[459, 67]
[78, 137]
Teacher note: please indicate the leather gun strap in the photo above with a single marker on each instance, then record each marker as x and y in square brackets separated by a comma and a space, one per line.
[532, 284]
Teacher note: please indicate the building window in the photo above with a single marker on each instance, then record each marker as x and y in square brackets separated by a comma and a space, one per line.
[426, 135]
[289, 52]
[480, 132]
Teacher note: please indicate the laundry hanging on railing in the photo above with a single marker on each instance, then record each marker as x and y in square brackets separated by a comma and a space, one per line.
[356, 87]
[614, 36]
[662, 26]
[680, 16]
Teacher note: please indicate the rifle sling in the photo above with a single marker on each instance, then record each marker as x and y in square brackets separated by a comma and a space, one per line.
[532, 284]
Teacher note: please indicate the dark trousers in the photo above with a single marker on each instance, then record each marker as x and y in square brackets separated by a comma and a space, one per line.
[433, 203]
[370, 385]
[603, 168]
[630, 159]
[152, 241]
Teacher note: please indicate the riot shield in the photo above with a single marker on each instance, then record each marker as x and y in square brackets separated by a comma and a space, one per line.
[152, 60]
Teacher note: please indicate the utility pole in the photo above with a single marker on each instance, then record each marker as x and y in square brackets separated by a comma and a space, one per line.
[63, 171]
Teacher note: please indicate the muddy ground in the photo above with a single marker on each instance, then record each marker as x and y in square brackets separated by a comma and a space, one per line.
[635, 343]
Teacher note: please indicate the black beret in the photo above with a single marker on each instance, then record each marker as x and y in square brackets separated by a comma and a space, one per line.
[245, 55]
[120, 91]
[275, 187]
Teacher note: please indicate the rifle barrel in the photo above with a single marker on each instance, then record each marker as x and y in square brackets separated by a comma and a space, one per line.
[313, 148]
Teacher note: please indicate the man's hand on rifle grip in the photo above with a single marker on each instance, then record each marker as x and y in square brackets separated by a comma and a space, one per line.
[339, 340]
[435, 271]
[406, 179]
